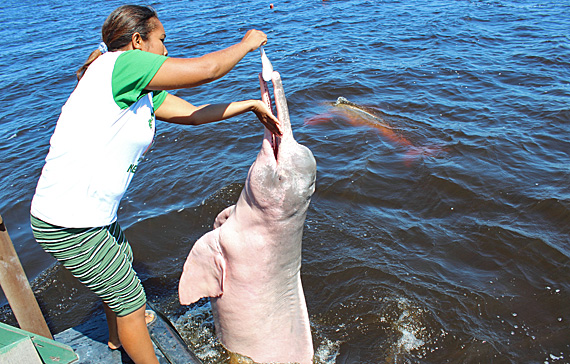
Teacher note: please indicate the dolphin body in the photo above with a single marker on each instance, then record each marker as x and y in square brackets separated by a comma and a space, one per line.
[359, 115]
[250, 263]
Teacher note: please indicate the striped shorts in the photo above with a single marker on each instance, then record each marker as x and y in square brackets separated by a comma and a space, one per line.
[101, 258]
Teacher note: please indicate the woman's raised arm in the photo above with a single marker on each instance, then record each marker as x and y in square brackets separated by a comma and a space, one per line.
[177, 73]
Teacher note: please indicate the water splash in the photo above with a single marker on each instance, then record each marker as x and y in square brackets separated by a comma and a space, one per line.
[413, 332]
[196, 327]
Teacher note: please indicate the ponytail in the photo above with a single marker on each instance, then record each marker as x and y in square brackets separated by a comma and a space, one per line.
[92, 57]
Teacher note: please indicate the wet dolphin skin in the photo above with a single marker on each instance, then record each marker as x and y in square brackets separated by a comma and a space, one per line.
[250, 263]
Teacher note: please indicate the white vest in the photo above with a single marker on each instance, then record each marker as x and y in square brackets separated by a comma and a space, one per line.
[95, 150]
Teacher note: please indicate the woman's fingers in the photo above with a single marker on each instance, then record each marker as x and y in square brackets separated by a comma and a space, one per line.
[267, 118]
[254, 39]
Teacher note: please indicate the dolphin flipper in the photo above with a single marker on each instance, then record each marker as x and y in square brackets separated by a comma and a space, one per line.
[204, 270]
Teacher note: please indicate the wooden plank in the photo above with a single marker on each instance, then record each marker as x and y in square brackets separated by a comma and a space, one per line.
[17, 288]
[165, 336]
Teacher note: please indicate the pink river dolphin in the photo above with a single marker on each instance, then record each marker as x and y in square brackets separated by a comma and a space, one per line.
[363, 116]
[250, 263]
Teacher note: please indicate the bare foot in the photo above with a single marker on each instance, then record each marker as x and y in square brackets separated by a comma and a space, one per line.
[148, 316]
[114, 344]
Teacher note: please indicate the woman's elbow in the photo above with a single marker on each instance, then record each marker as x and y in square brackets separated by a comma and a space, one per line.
[205, 75]
[210, 72]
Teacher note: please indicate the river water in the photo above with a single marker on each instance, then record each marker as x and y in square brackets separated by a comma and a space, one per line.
[453, 250]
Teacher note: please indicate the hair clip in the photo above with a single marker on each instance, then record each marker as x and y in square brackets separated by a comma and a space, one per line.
[103, 48]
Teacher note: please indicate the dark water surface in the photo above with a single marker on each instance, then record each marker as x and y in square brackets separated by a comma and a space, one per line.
[458, 256]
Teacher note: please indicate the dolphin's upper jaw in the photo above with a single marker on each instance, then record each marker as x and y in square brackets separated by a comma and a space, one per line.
[286, 139]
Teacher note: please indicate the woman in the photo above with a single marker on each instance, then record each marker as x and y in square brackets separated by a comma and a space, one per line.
[104, 129]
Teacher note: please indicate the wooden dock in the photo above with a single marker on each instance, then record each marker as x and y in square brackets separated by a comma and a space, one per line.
[89, 341]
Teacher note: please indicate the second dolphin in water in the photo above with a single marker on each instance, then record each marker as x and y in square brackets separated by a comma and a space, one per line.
[359, 115]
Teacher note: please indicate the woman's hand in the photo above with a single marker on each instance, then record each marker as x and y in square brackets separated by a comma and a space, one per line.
[266, 117]
[254, 39]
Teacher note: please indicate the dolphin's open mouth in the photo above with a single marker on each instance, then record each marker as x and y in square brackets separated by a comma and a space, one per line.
[275, 141]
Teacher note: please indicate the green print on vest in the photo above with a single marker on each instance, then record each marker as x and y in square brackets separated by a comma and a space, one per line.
[151, 118]
[133, 167]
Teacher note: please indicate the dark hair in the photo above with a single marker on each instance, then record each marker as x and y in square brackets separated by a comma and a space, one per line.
[118, 29]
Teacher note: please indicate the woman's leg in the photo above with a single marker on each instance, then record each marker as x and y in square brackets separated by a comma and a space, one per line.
[134, 337]
[114, 342]
[101, 258]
